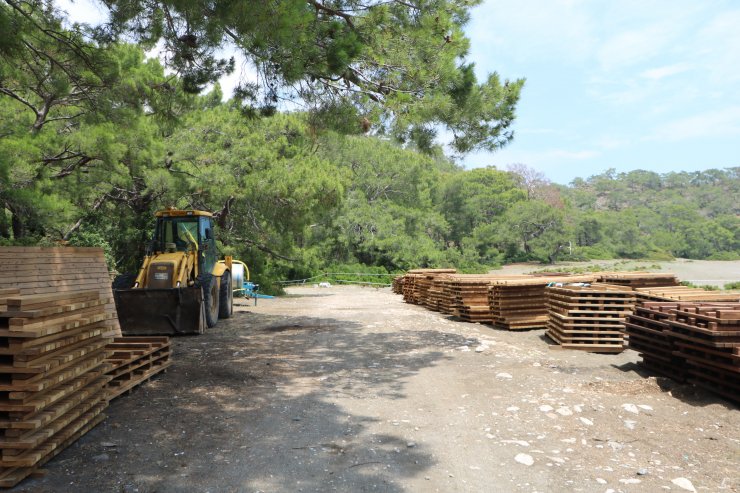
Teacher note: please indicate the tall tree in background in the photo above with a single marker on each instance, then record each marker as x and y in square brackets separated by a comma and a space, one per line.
[396, 66]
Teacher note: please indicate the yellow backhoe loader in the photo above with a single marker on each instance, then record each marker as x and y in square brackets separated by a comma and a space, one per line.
[182, 287]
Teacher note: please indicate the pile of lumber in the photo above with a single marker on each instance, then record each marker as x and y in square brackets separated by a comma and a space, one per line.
[520, 303]
[637, 280]
[649, 334]
[438, 295]
[134, 360]
[707, 337]
[470, 297]
[41, 270]
[397, 285]
[685, 293]
[62, 357]
[589, 317]
[53, 352]
[696, 341]
[416, 284]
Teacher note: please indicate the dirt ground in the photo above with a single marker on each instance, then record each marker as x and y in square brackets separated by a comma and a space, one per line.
[350, 389]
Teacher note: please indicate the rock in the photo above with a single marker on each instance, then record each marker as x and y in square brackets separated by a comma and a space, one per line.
[564, 411]
[645, 407]
[523, 443]
[684, 484]
[631, 408]
[642, 472]
[525, 459]
[481, 348]
[630, 481]
[504, 375]
[411, 444]
[601, 480]
[101, 458]
[630, 425]
[108, 444]
[586, 421]
[512, 409]
[545, 408]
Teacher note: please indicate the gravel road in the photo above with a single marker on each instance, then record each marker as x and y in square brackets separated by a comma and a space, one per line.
[350, 389]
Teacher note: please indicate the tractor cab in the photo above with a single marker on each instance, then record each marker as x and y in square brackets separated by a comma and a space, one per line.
[184, 231]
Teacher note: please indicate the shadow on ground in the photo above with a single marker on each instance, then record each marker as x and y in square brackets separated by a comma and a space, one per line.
[255, 405]
[685, 392]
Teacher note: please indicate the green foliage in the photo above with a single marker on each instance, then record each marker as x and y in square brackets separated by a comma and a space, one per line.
[732, 285]
[83, 238]
[94, 138]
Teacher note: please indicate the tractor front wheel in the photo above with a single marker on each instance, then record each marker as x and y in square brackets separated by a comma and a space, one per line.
[226, 297]
[210, 297]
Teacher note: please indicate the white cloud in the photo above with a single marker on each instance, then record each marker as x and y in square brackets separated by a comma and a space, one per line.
[666, 71]
[716, 123]
[718, 45]
[630, 48]
[532, 29]
[84, 11]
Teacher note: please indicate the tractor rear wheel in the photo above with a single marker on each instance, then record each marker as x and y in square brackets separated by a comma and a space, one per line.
[210, 297]
[226, 297]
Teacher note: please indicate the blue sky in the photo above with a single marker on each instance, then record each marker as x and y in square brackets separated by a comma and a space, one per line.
[614, 84]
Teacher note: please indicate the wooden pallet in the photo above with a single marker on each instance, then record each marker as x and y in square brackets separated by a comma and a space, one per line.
[521, 304]
[52, 376]
[416, 284]
[42, 270]
[591, 317]
[637, 280]
[690, 341]
[685, 293]
[134, 360]
[397, 285]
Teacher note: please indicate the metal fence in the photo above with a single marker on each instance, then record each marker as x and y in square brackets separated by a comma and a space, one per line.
[332, 276]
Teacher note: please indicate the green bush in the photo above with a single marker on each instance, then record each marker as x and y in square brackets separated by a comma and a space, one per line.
[724, 256]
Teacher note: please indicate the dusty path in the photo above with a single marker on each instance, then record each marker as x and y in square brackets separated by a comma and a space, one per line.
[350, 389]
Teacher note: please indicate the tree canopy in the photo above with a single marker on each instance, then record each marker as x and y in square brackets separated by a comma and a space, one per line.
[398, 68]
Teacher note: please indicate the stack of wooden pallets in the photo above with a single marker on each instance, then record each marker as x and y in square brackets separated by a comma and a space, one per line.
[707, 337]
[41, 270]
[397, 285]
[589, 318]
[133, 360]
[447, 300]
[648, 333]
[58, 366]
[685, 293]
[417, 282]
[639, 279]
[52, 348]
[470, 297]
[409, 284]
[437, 294]
[520, 303]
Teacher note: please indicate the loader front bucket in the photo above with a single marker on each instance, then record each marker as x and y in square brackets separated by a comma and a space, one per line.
[160, 311]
